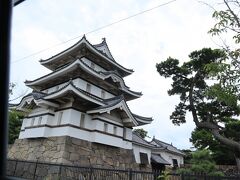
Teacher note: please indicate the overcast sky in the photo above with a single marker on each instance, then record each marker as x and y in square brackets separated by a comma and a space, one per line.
[175, 30]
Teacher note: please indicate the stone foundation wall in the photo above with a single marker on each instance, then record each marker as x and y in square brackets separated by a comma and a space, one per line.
[72, 151]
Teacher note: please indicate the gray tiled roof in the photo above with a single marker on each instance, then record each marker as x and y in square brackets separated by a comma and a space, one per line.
[139, 140]
[37, 95]
[159, 159]
[169, 147]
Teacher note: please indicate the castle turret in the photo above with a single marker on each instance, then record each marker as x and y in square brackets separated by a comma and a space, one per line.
[84, 97]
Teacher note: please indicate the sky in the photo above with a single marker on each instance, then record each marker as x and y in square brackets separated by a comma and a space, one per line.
[138, 43]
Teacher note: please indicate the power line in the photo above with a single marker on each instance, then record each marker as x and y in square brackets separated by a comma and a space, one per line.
[95, 30]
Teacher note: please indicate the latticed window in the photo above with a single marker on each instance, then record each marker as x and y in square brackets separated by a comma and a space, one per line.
[92, 65]
[32, 121]
[88, 89]
[105, 128]
[40, 120]
[143, 158]
[103, 94]
[115, 130]
[82, 120]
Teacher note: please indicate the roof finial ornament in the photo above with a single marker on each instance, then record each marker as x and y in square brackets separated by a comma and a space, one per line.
[154, 137]
[84, 36]
[104, 39]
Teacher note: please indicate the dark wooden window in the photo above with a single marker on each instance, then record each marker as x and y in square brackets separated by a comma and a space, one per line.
[143, 158]
[175, 162]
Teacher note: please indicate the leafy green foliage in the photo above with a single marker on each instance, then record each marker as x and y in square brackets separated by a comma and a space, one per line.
[221, 154]
[141, 132]
[15, 123]
[228, 75]
[164, 176]
[227, 20]
[188, 156]
[202, 163]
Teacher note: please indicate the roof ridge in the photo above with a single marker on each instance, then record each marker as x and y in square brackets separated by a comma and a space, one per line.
[168, 145]
[104, 42]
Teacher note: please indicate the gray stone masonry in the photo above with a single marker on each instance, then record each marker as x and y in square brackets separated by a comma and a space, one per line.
[72, 151]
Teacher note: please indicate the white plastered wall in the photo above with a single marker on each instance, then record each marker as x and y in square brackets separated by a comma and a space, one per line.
[137, 149]
[91, 131]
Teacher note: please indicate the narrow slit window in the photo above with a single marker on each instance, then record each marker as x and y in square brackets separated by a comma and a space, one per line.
[88, 89]
[60, 118]
[102, 94]
[105, 127]
[40, 120]
[82, 120]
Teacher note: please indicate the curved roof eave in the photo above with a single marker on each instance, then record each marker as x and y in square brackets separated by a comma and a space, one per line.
[28, 99]
[118, 104]
[83, 40]
[62, 70]
[143, 120]
[71, 87]
[104, 44]
[89, 70]
[124, 87]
